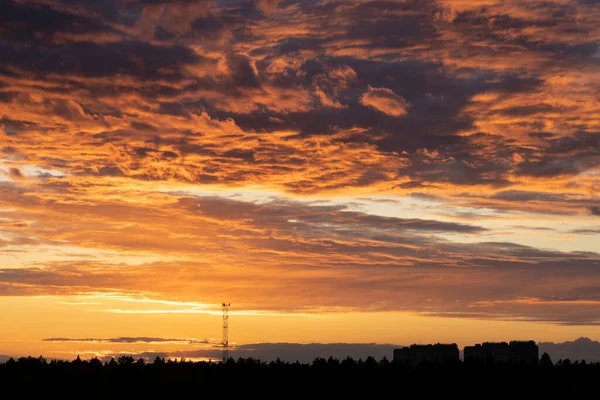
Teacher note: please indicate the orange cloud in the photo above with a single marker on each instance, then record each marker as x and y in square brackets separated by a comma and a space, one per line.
[385, 100]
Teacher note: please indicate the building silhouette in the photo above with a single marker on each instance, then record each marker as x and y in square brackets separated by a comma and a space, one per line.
[515, 352]
[428, 353]
[488, 352]
[524, 352]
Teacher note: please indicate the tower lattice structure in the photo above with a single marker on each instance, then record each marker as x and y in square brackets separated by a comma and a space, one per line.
[225, 338]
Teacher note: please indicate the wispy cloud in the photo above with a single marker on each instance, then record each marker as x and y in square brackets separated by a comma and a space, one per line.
[149, 340]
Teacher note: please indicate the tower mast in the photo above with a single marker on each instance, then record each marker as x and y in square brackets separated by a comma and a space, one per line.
[225, 339]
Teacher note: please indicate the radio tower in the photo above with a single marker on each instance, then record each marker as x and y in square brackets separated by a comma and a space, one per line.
[225, 339]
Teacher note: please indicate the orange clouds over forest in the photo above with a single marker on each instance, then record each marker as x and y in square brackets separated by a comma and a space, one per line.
[438, 158]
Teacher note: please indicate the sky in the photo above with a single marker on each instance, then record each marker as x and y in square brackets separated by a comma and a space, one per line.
[341, 171]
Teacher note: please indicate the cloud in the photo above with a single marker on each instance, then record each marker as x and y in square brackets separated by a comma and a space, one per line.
[315, 247]
[579, 349]
[292, 352]
[500, 281]
[386, 101]
[12, 127]
[585, 231]
[266, 80]
[268, 6]
[595, 210]
[241, 68]
[130, 340]
[15, 173]
[266, 352]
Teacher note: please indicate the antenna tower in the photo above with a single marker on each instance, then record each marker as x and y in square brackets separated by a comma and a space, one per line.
[225, 339]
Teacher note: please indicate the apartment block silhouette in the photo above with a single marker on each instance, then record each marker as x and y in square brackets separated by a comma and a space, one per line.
[515, 352]
[428, 353]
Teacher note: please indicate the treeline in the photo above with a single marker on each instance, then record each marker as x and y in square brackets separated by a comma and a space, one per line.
[127, 377]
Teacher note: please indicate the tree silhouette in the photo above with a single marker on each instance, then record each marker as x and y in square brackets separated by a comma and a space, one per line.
[546, 361]
[250, 377]
[94, 362]
[159, 361]
[125, 360]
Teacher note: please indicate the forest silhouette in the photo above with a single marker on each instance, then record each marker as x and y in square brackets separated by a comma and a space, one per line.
[33, 377]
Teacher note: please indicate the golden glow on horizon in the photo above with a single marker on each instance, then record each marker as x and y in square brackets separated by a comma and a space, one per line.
[27, 314]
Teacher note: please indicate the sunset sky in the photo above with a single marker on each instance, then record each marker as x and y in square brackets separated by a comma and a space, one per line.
[341, 171]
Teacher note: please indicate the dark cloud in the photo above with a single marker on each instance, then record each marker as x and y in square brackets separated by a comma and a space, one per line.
[426, 197]
[15, 173]
[279, 213]
[559, 166]
[12, 127]
[521, 196]
[129, 340]
[133, 58]
[580, 349]
[411, 185]
[209, 26]
[27, 22]
[391, 25]
[110, 171]
[403, 83]
[60, 42]
[242, 70]
[577, 350]
[535, 228]
[292, 352]
[585, 231]
[595, 210]
[523, 111]
[563, 203]
[500, 30]
[565, 156]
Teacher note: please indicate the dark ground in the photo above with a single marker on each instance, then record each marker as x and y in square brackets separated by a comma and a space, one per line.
[247, 378]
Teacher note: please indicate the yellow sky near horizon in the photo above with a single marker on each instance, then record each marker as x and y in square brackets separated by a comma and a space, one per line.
[192, 327]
